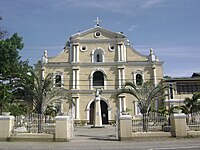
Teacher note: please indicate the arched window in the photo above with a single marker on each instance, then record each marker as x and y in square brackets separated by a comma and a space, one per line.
[98, 78]
[98, 56]
[58, 81]
[139, 80]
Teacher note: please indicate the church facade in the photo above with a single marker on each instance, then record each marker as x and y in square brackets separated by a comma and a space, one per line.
[100, 58]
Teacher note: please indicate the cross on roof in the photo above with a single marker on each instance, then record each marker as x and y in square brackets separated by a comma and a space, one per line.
[97, 21]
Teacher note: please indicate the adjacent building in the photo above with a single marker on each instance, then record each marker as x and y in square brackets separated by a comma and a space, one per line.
[182, 87]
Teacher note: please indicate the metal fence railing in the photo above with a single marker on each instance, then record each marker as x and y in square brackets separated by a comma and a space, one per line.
[154, 122]
[193, 121]
[34, 123]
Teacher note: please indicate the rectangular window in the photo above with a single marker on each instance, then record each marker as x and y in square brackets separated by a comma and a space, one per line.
[188, 88]
[198, 87]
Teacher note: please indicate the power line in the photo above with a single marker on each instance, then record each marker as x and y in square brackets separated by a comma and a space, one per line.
[160, 52]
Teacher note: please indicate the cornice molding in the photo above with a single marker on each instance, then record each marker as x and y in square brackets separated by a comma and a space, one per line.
[102, 64]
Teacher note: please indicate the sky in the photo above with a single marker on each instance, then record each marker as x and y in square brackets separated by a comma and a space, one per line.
[170, 27]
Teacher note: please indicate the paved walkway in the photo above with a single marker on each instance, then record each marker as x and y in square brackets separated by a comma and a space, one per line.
[87, 138]
[108, 133]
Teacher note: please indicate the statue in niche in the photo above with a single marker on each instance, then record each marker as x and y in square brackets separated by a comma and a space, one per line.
[97, 94]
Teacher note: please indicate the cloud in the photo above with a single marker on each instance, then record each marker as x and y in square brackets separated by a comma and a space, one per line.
[120, 6]
[116, 6]
[133, 27]
[151, 3]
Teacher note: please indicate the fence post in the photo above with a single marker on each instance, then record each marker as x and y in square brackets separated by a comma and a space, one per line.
[178, 125]
[63, 129]
[6, 126]
[125, 127]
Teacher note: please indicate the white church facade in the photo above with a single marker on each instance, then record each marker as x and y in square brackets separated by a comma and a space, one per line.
[100, 58]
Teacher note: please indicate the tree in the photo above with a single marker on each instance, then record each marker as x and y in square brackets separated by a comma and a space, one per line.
[193, 104]
[3, 32]
[145, 95]
[10, 65]
[5, 97]
[9, 56]
[44, 94]
[13, 71]
[23, 85]
[41, 93]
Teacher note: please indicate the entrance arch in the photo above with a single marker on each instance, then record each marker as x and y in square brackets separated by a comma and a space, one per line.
[104, 112]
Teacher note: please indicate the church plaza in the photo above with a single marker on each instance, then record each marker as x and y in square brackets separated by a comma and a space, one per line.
[88, 138]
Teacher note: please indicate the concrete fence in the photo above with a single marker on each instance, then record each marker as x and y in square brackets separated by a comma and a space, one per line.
[178, 128]
[63, 131]
[6, 126]
[63, 128]
[178, 125]
[125, 127]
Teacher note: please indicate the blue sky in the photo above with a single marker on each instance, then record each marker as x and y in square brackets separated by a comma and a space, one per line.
[170, 27]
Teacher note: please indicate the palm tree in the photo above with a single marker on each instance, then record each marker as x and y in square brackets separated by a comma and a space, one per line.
[41, 93]
[44, 94]
[193, 104]
[145, 95]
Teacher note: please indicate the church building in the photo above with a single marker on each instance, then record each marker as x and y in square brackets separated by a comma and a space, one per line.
[100, 58]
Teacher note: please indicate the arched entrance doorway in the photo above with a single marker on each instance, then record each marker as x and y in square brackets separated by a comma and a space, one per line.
[104, 112]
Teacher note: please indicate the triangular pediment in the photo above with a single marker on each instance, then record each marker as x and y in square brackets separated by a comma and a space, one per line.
[97, 33]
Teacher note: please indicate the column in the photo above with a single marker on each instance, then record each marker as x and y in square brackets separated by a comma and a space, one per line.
[75, 73]
[75, 55]
[120, 104]
[77, 115]
[122, 53]
[77, 78]
[123, 76]
[137, 110]
[74, 79]
[124, 48]
[121, 49]
[119, 77]
[119, 52]
[123, 104]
